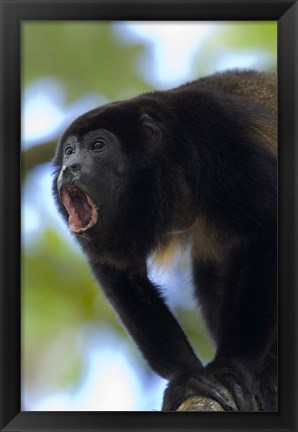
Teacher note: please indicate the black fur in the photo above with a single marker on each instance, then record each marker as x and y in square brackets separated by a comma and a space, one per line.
[197, 164]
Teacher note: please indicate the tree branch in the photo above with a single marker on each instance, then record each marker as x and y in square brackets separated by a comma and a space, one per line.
[36, 155]
[203, 404]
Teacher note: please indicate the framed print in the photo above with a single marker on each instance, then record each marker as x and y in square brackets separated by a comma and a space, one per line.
[97, 98]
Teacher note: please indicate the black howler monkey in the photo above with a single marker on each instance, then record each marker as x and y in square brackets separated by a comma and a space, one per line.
[194, 165]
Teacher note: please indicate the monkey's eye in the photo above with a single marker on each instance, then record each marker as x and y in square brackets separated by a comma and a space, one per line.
[68, 151]
[98, 145]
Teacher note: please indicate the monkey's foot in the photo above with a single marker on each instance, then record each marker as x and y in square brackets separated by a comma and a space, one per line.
[239, 381]
[232, 386]
[197, 384]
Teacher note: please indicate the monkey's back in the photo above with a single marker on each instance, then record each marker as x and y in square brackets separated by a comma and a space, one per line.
[259, 87]
[257, 90]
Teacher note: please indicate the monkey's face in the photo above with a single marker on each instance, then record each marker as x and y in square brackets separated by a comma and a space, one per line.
[92, 171]
[105, 183]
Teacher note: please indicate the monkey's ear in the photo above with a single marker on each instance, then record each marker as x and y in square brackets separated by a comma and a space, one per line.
[151, 128]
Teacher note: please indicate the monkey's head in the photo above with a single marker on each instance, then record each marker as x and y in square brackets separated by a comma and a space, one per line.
[114, 183]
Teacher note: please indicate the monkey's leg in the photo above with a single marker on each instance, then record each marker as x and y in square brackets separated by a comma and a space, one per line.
[267, 382]
[247, 322]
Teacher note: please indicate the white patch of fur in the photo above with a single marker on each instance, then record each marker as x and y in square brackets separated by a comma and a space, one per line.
[174, 277]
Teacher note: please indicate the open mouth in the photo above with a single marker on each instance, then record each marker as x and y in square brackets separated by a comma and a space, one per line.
[81, 209]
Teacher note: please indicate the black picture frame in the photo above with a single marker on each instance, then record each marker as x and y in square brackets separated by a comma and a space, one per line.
[12, 14]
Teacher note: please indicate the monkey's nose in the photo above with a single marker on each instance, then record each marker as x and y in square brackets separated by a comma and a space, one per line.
[75, 168]
[68, 174]
[69, 171]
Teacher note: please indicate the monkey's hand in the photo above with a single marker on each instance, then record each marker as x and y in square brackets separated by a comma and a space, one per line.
[228, 383]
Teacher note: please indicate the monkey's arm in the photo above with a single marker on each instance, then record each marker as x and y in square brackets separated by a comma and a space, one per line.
[148, 320]
[153, 327]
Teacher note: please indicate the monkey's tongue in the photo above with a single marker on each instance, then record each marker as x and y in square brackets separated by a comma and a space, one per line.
[81, 209]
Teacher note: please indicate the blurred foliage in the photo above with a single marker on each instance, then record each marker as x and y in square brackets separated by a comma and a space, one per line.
[259, 34]
[70, 299]
[238, 37]
[83, 55]
[59, 294]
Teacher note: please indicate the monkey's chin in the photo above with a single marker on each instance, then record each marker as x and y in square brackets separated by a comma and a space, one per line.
[81, 209]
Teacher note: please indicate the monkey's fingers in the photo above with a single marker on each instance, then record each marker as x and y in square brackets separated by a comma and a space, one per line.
[209, 387]
[202, 385]
[245, 399]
